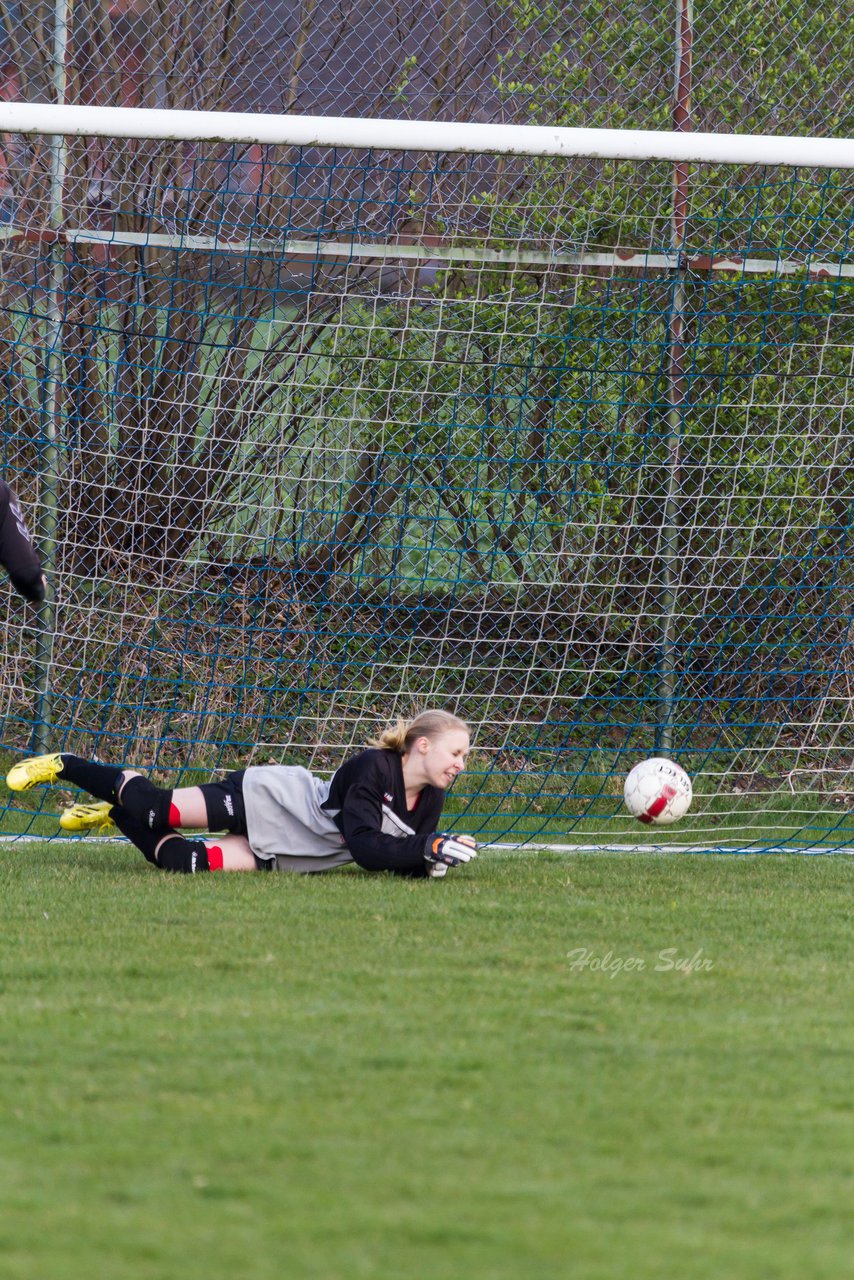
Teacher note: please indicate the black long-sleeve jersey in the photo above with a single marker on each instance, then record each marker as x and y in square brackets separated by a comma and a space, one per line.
[17, 553]
[367, 803]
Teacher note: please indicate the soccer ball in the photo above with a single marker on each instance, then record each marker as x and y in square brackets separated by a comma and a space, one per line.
[657, 790]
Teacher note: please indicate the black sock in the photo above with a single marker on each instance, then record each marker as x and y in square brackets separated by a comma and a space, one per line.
[147, 803]
[176, 853]
[136, 832]
[99, 780]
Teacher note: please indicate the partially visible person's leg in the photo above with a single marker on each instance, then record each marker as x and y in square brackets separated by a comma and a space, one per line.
[148, 811]
[192, 807]
[103, 781]
[213, 806]
[210, 807]
[152, 805]
[174, 852]
[98, 779]
[223, 853]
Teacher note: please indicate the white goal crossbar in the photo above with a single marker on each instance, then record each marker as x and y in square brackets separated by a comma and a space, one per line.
[420, 135]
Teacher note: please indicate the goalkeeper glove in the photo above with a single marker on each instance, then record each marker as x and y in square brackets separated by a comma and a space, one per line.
[448, 851]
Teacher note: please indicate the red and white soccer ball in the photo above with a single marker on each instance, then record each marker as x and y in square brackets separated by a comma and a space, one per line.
[657, 790]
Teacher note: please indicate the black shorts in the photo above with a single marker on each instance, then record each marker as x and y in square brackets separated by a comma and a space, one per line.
[227, 808]
[225, 805]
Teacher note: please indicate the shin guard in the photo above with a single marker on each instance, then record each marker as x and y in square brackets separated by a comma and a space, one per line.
[150, 805]
[188, 856]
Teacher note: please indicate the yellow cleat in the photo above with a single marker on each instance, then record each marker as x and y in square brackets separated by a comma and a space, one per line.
[87, 817]
[28, 773]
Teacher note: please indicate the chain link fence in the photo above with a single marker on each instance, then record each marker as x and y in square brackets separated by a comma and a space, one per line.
[780, 67]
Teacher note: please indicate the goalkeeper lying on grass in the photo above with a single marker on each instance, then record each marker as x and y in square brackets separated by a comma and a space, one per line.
[381, 808]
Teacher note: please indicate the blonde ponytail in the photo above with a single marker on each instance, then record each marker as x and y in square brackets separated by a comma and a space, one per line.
[393, 738]
[402, 735]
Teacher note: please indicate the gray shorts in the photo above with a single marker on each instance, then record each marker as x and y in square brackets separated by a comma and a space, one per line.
[286, 827]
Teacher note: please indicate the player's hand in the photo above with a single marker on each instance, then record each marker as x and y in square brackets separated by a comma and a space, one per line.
[450, 851]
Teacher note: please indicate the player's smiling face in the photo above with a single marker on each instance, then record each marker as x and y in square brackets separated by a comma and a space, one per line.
[442, 758]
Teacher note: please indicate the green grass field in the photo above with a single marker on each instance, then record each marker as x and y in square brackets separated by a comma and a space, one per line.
[545, 1066]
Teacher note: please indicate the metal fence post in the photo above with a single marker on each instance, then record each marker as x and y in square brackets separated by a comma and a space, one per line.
[51, 394]
[676, 391]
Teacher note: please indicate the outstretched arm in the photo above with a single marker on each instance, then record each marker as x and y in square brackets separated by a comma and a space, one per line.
[413, 853]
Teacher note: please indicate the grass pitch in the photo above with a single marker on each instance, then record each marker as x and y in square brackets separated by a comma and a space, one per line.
[544, 1066]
